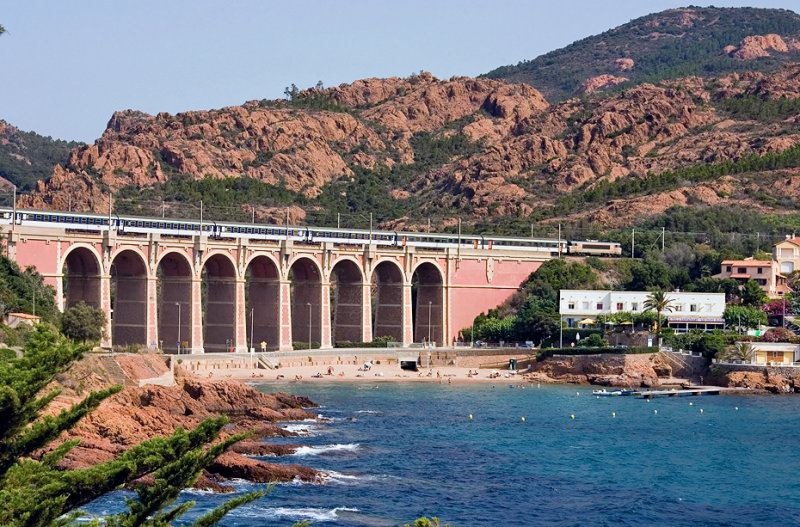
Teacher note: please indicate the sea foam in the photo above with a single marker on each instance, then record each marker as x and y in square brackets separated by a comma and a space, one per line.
[325, 449]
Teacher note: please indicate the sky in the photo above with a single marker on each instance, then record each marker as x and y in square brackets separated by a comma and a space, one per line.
[67, 66]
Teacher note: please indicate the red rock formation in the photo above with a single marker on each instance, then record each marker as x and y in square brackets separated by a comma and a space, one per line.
[756, 46]
[600, 82]
[624, 63]
[138, 414]
[631, 371]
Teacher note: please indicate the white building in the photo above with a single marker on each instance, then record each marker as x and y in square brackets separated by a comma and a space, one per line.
[689, 310]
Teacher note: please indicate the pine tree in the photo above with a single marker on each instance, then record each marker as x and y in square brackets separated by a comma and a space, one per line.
[35, 493]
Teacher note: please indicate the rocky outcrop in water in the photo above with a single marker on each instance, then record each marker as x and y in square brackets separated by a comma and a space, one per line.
[629, 371]
[137, 414]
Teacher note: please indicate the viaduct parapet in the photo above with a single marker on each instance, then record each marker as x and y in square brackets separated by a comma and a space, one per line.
[214, 295]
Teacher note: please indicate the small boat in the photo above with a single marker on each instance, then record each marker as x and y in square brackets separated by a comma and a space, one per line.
[617, 391]
[605, 392]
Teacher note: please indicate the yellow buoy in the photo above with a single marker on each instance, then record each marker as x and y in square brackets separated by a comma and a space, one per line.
[690, 404]
[577, 393]
[613, 414]
[470, 416]
[598, 396]
[648, 400]
[736, 408]
[523, 419]
[572, 416]
[655, 412]
[701, 410]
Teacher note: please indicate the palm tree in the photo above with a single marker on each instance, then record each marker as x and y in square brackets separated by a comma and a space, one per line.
[743, 351]
[659, 302]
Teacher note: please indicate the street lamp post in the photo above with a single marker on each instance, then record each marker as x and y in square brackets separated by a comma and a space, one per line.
[252, 344]
[179, 326]
[309, 324]
[429, 322]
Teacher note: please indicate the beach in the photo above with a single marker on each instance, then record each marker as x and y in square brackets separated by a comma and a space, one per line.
[371, 368]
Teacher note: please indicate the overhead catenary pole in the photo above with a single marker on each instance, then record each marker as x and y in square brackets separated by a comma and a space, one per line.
[14, 207]
[559, 241]
[287, 223]
[662, 239]
[201, 216]
[458, 247]
[338, 220]
[633, 238]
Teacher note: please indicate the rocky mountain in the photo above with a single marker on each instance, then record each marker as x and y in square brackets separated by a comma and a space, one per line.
[704, 41]
[692, 153]
[26, 157]
[418, 148]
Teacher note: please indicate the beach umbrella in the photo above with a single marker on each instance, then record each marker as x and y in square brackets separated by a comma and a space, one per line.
[587, 321]
[626, 323]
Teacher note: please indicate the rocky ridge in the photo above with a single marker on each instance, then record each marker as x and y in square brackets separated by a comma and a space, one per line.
[526, 152]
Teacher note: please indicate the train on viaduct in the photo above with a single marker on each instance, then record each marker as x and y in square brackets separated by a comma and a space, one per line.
[195, 286]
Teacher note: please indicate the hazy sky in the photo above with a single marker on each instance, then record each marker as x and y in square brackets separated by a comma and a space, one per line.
[67, 66]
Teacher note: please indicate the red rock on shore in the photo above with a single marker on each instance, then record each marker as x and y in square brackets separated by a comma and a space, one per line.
[137, 414]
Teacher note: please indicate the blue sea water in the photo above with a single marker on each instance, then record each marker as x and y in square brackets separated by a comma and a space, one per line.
[401, 451]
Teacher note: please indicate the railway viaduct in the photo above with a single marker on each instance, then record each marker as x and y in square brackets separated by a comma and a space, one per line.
[216, 295]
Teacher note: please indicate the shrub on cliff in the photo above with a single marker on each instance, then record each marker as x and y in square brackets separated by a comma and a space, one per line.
[34, 492]
[83, 323]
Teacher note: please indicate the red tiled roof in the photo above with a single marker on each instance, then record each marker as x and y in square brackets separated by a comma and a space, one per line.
[795, 241]
[24, 315]
[748, 263]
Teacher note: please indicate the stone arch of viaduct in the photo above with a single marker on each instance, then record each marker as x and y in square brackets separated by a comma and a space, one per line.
[212, 295]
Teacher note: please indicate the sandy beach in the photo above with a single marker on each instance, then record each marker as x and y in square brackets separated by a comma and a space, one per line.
[355, 373]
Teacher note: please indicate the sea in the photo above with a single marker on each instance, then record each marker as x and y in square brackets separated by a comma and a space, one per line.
[526, 455]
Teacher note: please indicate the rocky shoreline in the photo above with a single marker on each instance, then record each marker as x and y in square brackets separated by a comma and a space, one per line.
[627, 371]
[140, 413]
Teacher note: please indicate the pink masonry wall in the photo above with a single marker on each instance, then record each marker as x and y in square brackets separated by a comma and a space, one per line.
[478, 285]
[39, 254]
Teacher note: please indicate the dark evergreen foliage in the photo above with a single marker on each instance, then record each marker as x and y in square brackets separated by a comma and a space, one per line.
[661, 46]
[19, 289]
[35, 493]
[83, 323]
[28, 157]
